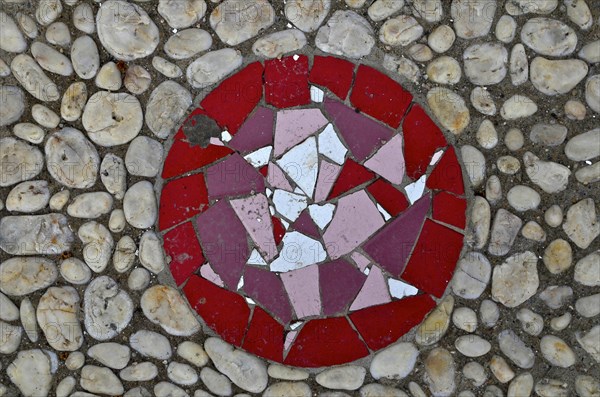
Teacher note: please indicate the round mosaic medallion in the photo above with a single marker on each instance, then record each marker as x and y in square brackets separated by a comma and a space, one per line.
[313, 224]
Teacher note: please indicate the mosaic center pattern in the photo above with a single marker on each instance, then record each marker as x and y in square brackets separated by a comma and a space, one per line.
[316, 223]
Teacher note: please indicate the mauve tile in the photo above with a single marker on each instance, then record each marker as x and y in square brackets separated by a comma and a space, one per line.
[333, 73]
[302, 286]
[447, 174]
[388, 161]
[294, 126]
[181, 244]
[266, 288]
[328, 173]
[340, 282]
[391, 246]
[265, 336]
[450, 209]
[225, 242]
[351, 176]
[233, 177]
[390, 198]
[355, 220]
[256, 132]
[362, 135]
[374, 291]
[182, 199]
[253, 211]
[286, 81]
[305, 225]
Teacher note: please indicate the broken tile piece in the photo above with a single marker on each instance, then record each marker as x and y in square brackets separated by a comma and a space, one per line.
[294, 126]
[321, 214]
[373, 292]
[289, 204]
[388, 161]
[316, 94]
[233, 177]
[390, 198]
[253, 211]
[301, 164]
[399, 289]
[361, 261]
[354, 221]
[259, 157]
[330, 145]
[298, 251]
[266, 288]
[305, 225]
[256, 132]
[415, 190]
[328, 173]
[302, 286]
[256, 259]
[351, 176]
[340, 282]
[276, 178]
[209, 274]
[286, 81]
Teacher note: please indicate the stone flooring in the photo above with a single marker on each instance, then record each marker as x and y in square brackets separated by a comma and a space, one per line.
[337, 198]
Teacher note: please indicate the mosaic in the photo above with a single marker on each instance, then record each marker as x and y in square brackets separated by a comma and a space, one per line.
[316, 223]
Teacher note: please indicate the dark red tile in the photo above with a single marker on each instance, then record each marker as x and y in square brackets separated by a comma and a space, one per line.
[383, 325]
[434, 258]
[183, 157]
[450, 209]
[333, 73]
[351, 176]
[305, 225]
[265, 336]
[421, 139]
[182, 199]
[340, 282]
[266, 288]
[378, 95]
[230, 103]
[325, 342]
[447, 174]
[286, 82]
[181, 244]
[278, 230]
[225, 312]
[264, 170]
[390, 198]
[232, 177]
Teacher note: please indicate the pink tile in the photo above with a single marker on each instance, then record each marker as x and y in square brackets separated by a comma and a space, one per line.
[276, 178]
[289, 339]
[374, 291]
[294, 126]
[254, 213]
[302, 286]
[354, 221]
[328, 173]
[209, 274]
[361, 261]
[388, 161]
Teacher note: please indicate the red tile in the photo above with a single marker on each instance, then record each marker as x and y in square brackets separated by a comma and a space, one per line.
[325, 342]
[383, 325]
[434, 258]
[278, 230]
[351, 176]
[378, 95]
[447, 174]
[232, 101]
[223, 311]
[390, 198]
[421, 139]
[286, 82]
[181, 244]
[264, 170]
[333, 73]
[181, 199]
[265, 336]
[183, 157]
[450, 209]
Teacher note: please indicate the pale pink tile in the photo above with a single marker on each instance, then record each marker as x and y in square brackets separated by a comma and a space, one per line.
[209, 274]
[302, 286]
[276, 178]
[253, 212]
[328, 173]
[374, 291]
[388, 161]
[295, 125]
[361, 261]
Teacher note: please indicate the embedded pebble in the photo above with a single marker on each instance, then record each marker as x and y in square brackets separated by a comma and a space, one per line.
[486, 135]
[59, 200]
[475, 164]
[592, 93]
[518, 106]
[75, 271]
[382, 9]
[182, 374]
[551, 177]
[235, 23]
[482, 101]
[29, 74]
[4, 69]
[138, 280]
[72, 160]
[108, 309]
[137, 79]
[112, 119]
[73, 101]
[587, 270]
[531, 322]
[582, 225]
[307, 15]
[166, 106]
[100, 380]
[485, 64]
[9, 311]
[83, 18]
[548, 134]
[501, 370]
[116, 221]
[441, 39]
[65, 386]
[472, 275]
[523, 198]
[575, 110]
[395, 362]
[164, 306]
[403, 66]
[74, 361]
[588, 306]
[516, 280]
[420, 52]
[181, 13]
[281, 372]
[58, 34]
[400, 31]
[475, 372]
[346, 33]
[90, 205]
[438, 319]
[506, 29]
[31, 372]
[125, 30]
[109, 77]
[472, 18]
[166, 68]
[349, 377]
[557, 352]
[57, 315]
[193, 353]
[589, 342]
[51, 60]
[519, 65]
[139, 205]
[85, 57]
[555, 77]
[11, 39]
[515, 349]
[449, 108]
[514, 139]
[533, 231]
[444, 70]
[28, 196]
[215, 382]
[505, 228]
[48, 11]
[166, 389]
[276, 44]
[472, 345]
[28, 319]
[27, 25]
[584, 146]
[212, 67]
[587, 386]
[579, 13]
[12, 105]
[489, 312]
[29, 132]
[284, 389]
[465, 318]
[521, 385]
[245, 370]
[508, 165]
[588, 174]
[549, 37]
[187, 43]
[113, 175]
[558, 256]
[556, 296]
[10, 338]
[151, 254]
[47, 234]
[561, 322]
[110, 354]
[140, 372]
[591, 52]
[144, 157]
[151, 344]
[440, 372]
[124, 255]
[98, 245]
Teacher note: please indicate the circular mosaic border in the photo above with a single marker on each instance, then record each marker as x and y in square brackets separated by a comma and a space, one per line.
[428, 266]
